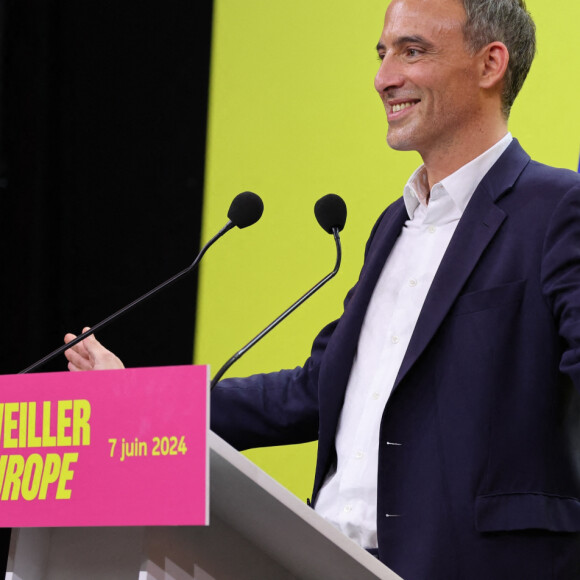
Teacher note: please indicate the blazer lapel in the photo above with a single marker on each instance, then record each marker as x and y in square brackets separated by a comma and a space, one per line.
[341, 350]
[477, 227]
[379, 249]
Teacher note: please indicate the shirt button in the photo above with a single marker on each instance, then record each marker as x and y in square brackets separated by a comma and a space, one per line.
[395, 339]
[347, 508]
[375, 396]
[359, 455]
[431, 229]
[412, 282]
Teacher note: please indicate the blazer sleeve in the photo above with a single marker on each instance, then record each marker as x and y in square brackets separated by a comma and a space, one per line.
[560, 277]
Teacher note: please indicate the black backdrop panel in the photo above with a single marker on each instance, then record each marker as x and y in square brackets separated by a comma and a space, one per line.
[104, 121]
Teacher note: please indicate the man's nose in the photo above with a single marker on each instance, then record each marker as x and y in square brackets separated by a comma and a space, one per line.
[389, 75]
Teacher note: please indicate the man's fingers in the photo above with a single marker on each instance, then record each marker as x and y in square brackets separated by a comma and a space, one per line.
[79, 347]
[90, 354]
[73, 368]
[100, 357]
[94, 348]
[79, 358]
[68, 337]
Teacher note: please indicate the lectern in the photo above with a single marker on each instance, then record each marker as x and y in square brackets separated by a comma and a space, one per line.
[257, 531]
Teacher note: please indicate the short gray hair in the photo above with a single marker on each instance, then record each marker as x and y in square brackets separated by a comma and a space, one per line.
[506, 21]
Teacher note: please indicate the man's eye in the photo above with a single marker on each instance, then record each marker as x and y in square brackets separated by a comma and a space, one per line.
[380, 56]
[413, 52]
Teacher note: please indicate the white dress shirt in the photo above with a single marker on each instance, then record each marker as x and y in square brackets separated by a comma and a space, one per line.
[348, 498]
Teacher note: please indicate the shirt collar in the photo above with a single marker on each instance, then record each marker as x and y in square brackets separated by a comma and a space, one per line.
[460, 185]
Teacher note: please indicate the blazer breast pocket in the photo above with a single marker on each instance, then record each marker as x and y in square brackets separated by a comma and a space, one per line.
[495, 297]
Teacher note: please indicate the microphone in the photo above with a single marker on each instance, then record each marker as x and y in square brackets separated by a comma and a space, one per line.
[330, 212]
[245, 210]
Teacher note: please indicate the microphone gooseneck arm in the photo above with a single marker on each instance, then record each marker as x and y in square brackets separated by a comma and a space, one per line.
[242, 351]
[130, 306]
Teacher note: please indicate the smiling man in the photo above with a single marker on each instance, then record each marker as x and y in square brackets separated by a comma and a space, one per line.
[446, 399]
[442, 85]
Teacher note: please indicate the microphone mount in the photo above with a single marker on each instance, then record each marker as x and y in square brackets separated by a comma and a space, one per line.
[245, 210]
[272, 325]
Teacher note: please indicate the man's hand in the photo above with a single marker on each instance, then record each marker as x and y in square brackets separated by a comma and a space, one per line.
[90, 355]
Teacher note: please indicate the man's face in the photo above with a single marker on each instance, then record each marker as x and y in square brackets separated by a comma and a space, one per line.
[428, 79]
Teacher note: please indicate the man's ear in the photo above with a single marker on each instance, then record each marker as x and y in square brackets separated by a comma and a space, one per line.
[494, 62]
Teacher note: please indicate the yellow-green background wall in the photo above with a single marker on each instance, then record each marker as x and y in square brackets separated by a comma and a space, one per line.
[293, 116]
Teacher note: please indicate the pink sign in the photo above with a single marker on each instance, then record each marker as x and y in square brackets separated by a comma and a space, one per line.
[106, 448]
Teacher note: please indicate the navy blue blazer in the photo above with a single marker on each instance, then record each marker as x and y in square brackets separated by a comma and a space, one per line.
[486, 406]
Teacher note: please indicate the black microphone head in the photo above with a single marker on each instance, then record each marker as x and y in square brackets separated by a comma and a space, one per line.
[330, 211]
[246, 209]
